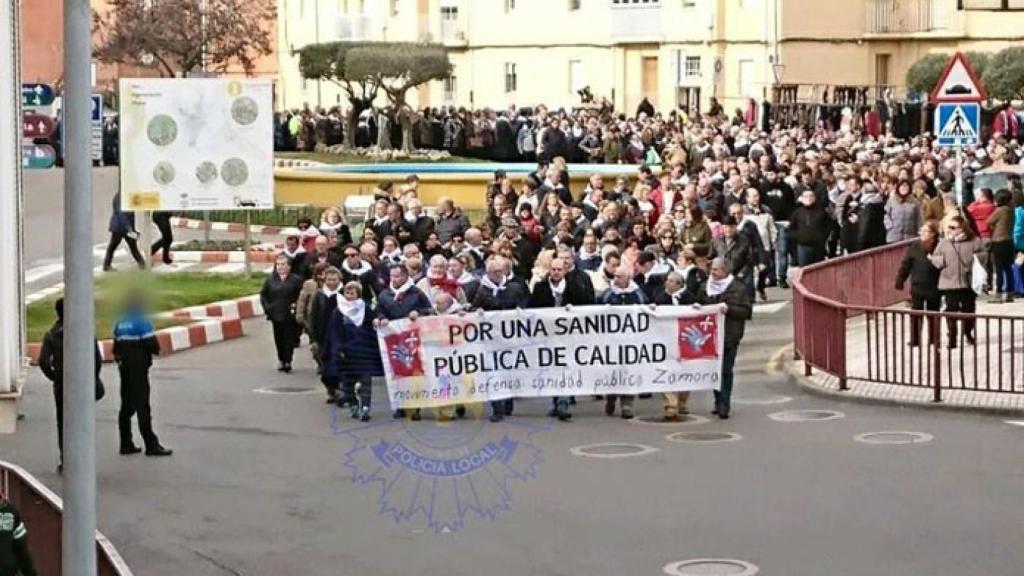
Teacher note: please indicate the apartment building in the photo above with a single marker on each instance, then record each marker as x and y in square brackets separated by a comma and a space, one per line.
[674, 52]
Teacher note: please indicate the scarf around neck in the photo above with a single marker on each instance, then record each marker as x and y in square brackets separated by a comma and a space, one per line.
[354, 310]
[328, 292]
[401, 290]
[716, 287]
[364, 267]
[466, 278]
[486, 282]
[557, 289]
[448, 285]
[627, 290]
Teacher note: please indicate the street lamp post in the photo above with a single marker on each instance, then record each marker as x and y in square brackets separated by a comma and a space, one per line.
[78, 535]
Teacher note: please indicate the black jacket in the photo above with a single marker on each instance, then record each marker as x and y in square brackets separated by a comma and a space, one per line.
[515, 295]
[740, 255]
[319, 314]
[632, 297]
[391, 308]
[810, 226]
[51, 357]
[278, 296]
[418, 230]
[651, 285]
[870, 224]
[779, 198]
[924, 277]
[574, 294]
[740, 310]
[583, 283]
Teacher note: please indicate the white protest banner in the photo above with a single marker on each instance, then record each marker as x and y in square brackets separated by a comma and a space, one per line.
[484, 356]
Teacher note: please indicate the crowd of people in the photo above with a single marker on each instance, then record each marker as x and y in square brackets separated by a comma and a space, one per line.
[717, 211]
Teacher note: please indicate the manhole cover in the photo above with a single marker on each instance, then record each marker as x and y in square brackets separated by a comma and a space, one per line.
[761, 401]
[893, 437]
[286, 390]
[687, 419]
[612, 450]
[710, 567]
[806, 415]
[703, 437]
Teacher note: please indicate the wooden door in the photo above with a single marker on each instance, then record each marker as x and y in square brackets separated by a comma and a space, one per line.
[649, 79]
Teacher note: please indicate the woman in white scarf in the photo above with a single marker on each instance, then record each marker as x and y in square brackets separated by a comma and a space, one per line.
[722, 289]
[352, 356]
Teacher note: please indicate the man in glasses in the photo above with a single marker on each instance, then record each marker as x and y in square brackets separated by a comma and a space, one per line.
[355, 269]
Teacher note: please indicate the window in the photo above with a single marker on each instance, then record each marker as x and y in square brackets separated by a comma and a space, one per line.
[510, 5]
[575, 76]
[450, 88]
[574, 5]
[511, 80]
[993, 5]
[691, 68]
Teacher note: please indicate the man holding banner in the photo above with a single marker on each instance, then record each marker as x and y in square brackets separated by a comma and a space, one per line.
[556, 292]
[723, 288]
[622, 292]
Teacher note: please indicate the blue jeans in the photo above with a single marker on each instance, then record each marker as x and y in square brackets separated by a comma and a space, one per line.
[724, 396]
[782, 251]
[807, 255]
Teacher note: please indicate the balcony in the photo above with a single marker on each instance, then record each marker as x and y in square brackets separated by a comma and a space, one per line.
[909, 16]
[636, 21]
[453, 34]
[358, 28]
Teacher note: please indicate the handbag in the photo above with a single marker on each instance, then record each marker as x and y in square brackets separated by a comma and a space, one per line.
[979, 276]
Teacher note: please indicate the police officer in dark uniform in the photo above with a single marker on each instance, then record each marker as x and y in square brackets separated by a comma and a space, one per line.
[135, 344]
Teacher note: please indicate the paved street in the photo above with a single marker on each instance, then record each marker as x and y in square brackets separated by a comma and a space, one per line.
[258, 484]
[44, 225]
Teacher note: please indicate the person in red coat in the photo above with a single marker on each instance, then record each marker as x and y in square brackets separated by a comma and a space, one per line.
[1006, 122]
[873, 123]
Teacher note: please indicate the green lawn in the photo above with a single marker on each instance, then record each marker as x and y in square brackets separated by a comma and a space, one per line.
[327, 158]
[163, 292]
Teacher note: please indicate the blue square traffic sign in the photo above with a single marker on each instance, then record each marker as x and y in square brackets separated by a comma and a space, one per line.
[958, 124]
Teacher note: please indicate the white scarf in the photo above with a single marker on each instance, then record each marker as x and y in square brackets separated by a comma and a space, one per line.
[466, 278]
[585, 255]
[486, 282]
[325, 226]
[716, 287]
[557, 289]
[402, 289]
[395, 256]
[628, 290]
[363, 268]
[328, 292]
[411, 218]
[354, 310]
[292, 255]
[379, 220]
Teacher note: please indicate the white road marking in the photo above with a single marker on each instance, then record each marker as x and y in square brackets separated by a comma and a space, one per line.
[40, 272]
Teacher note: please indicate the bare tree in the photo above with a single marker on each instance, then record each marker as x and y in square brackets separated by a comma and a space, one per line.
[181, 36]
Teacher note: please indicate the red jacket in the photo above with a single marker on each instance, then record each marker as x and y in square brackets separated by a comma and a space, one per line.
[1006, 123]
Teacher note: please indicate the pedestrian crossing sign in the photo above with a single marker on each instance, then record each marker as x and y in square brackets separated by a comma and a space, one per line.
[957, 124]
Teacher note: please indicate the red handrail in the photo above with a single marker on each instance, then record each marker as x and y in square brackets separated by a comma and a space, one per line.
[41, 510]
[843, 309]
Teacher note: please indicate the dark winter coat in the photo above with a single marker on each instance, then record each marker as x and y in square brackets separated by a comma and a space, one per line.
[135, 345]
[625, 298]
[740, 310]
[574, 294]
[51, 357]
[278, 296]
[121, 222]
[454, 224]
[923, 275]
[391, 308]
[810, 226]
[739, 254]
[514, 295]
[350, 351]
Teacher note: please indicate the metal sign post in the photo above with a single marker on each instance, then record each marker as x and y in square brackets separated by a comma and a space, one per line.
[78, 536]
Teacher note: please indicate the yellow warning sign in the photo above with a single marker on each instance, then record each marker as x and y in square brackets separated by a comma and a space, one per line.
[143, 200]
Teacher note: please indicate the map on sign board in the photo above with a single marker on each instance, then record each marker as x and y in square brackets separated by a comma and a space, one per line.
[196, 144]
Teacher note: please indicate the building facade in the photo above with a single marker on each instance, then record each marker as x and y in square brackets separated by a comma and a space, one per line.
[674, 52]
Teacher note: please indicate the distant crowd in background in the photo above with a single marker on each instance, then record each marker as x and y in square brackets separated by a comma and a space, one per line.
[717, 211]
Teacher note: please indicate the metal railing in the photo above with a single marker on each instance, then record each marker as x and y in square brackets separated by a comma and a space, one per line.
[846, 323]
[908, 16]
[40, 510]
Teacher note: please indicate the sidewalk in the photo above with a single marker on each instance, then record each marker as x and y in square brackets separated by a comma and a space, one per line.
[962, 369]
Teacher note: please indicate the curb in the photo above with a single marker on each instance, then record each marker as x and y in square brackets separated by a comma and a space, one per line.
[795, 375]
[190, 224]
[172, 340]
[241, 308]
[233, 257]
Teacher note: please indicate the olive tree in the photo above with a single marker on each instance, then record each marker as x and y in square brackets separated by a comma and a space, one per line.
[1004, 77]
[330, 62]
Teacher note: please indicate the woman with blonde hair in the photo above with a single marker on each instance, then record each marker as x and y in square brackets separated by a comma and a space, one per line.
[332, 219]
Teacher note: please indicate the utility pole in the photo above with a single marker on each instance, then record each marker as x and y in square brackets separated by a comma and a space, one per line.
[78, 536]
